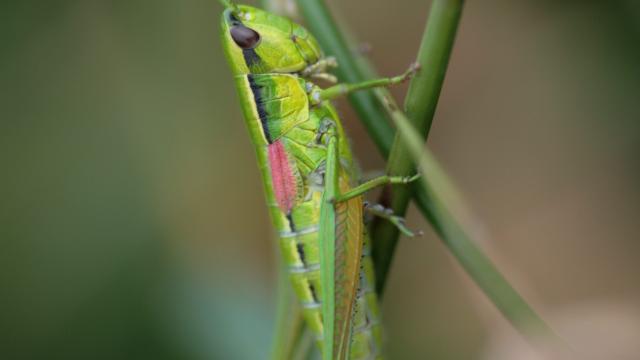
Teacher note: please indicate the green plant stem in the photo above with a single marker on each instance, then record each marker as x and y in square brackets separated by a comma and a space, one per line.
[420, 106]
[368, 107]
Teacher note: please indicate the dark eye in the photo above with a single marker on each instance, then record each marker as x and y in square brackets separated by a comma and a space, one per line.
[244, 37]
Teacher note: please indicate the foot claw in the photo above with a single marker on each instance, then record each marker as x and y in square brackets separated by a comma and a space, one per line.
[396, 220]
[410, 179]
[400, 224]
[411, 72]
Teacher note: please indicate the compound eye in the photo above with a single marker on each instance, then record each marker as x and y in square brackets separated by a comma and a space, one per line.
[244, 37]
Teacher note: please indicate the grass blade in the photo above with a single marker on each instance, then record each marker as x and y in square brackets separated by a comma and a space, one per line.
[420, 106]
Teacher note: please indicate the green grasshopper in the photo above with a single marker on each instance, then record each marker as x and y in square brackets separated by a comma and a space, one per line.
[309, 175]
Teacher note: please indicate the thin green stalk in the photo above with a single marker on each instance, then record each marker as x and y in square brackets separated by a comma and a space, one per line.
[420, 106]
[473, 260]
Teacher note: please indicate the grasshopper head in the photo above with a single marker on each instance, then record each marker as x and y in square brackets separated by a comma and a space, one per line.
[256, 41]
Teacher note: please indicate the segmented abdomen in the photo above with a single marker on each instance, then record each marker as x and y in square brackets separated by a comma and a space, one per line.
[292, 157]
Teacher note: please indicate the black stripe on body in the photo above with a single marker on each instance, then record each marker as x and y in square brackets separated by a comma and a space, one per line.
[251, 58]
[300, 248]
[292, 225]
[233, 20]
[262, 113]
[312, 290]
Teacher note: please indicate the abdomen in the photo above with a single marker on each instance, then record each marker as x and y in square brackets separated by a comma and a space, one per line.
[281, 134]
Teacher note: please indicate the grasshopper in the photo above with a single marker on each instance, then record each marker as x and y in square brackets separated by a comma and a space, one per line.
[309, 175]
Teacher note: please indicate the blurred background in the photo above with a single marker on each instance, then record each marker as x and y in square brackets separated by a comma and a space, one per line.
[132, 222]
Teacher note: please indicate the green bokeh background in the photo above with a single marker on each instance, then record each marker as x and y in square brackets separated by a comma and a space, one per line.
[132, 224]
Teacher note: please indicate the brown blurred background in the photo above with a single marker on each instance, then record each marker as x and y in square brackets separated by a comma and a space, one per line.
[132, 223]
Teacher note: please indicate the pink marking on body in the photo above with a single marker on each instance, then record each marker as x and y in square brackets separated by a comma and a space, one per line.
[284, 180]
